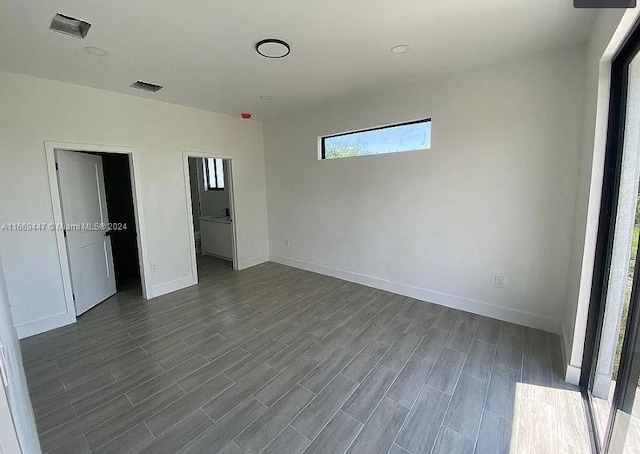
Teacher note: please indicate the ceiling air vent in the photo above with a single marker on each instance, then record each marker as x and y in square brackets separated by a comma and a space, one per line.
[146, 86]
[70, 26]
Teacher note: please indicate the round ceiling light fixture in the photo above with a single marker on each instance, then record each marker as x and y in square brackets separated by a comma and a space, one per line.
[266, 97]
[400, 49]
[96, 51]
[273, 48]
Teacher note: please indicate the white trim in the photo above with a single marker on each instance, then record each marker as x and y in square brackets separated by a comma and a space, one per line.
[45, 324]
[457, 302]
[63, 259]
[172, 286]
[573, 375]
[221, 257]
[565, 343]
[69, 316]
[9, 442]
[623, 30]
[575, 352]
[232, 207]
[248, 263]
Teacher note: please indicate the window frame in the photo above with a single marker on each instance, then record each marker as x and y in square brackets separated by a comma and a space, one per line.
[610, 192]
[207, 182]
[323, 156]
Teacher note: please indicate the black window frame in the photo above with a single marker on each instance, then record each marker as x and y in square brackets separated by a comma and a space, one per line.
[323, 155]
[207, 185]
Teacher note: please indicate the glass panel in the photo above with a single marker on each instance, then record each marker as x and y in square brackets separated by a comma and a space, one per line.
[220, 173]
[209, 173]
[625, 436]
[626, 431]
[392, 139]
[623, 263]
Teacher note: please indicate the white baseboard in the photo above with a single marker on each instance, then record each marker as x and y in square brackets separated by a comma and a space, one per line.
[227, 259]
[60, 320]
[566, 348]
[188, 281]
[572, 373]
[248, 263]
[172, 286]
[456, 302]
[45, 324]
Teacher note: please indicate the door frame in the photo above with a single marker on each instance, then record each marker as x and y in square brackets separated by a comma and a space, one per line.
[54, 190]
[9, 441]
[629, 48]
[232, 205]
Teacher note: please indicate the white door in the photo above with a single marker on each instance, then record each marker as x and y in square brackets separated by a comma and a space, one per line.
[84, 202]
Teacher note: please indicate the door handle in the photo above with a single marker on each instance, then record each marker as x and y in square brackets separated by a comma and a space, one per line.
[108, 233]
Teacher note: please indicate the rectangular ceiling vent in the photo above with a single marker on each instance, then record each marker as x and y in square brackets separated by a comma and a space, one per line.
[70, 26]
[146, 86]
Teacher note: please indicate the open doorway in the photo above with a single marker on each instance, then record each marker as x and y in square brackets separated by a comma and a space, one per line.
[212, 212]
[96, 225]
[118, 188]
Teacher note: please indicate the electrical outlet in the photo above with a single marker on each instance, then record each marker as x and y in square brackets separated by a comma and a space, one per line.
[499, 281]
[154, 267]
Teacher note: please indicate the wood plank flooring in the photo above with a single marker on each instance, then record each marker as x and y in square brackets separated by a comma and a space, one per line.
[278, 360]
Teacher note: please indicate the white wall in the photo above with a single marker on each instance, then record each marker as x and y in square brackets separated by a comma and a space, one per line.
[17, 392]
[35, 110]
[589, 189]
[494, 195]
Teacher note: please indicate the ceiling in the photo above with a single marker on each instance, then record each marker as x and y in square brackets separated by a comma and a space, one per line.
[202, 51]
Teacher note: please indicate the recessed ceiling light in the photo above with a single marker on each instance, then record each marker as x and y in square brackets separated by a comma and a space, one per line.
[146, 86]
[69, 26]
[92, 50]
[273, 48]
[266, 97]
[400, 49]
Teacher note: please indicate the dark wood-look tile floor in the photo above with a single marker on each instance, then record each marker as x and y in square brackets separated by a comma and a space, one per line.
[278, 360]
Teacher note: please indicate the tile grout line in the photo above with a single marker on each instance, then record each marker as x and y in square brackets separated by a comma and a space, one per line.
[144, 421]
[385, 396]
[252, 315]
[452, 393]
[418, 393]
[359, 384]
[286, 425]
[486, 397]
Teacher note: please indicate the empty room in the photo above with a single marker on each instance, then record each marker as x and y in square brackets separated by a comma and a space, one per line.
[250, 227]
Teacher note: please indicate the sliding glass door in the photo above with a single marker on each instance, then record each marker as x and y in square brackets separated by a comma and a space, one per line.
[611, 368]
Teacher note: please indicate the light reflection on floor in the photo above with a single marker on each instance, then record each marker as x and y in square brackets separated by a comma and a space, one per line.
[548, 420]
[629, 430]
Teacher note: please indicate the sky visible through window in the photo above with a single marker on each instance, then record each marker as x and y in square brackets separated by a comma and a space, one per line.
[394, 139]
